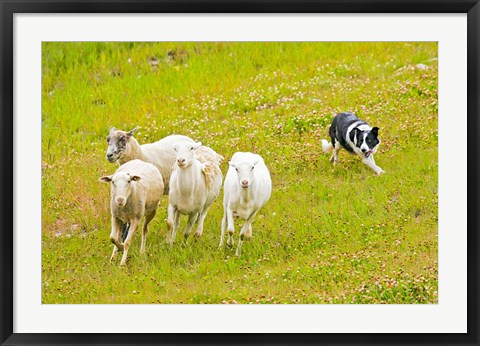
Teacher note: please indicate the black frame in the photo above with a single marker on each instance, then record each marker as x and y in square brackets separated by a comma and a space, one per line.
[7, 10]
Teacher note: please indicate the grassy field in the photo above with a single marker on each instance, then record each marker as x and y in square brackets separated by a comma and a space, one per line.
[327, 235]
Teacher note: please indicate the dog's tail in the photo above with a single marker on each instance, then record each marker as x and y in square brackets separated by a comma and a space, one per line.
[326, 146]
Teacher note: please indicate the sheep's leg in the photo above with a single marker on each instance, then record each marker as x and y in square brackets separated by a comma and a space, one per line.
[114, 253]
[246, 226]
[116, 233]
[224, 226]
[201, 219]
[115, 237]
[230, 227]
[248, 233]
[170, 218]
[148, 218]
[126, 245]
[191, 220]
[176, 223]
[172, 223]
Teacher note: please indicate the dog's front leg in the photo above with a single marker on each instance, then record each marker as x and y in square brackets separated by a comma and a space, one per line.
[370, 162]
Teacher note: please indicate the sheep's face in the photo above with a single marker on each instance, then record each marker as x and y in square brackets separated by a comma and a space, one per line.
[121, 186]
[117, 143]
[185, 153]
[245, 172]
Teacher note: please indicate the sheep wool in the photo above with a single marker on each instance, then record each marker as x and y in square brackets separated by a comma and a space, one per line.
[210, 163]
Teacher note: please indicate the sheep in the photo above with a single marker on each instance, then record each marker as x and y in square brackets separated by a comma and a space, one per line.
[135, 191]
[247, 189]
[195, 183]
[123, 147]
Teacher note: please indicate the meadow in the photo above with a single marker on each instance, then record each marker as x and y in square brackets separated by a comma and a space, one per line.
[328, 234]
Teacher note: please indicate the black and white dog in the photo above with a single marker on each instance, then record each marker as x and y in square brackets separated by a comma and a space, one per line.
[355, 136]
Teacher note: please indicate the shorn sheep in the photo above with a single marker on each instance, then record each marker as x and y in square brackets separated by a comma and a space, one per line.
[135, 191]
[123, 147]
[195, 183]
[247, 189]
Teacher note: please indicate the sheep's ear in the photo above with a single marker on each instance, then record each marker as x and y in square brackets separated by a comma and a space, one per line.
[232, 164]
[135, 178]
[105, 179]
[197, 145]
[130, 133]
[112, 130]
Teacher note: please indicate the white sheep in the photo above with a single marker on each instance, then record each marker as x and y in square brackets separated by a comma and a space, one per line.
[247, 189]
[135, 191]
[195, 183]
[123, 147]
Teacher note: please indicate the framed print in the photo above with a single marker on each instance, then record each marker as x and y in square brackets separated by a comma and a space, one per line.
[236, 173]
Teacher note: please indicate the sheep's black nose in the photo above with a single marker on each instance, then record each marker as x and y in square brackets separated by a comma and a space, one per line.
[109, 156]
[364, 150]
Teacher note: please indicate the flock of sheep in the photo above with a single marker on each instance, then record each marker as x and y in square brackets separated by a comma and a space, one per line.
[189, 173]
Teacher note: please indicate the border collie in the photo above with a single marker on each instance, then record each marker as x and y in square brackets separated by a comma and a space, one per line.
[355, 136]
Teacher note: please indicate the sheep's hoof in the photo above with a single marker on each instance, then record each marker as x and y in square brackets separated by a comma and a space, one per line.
[230, 241]
[198, 234]
[123, 263]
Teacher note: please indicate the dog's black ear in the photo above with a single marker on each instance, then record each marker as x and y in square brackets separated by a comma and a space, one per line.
[375, 131]
[353, 135]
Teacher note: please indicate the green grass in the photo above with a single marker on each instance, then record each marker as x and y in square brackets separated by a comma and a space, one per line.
[327, 235]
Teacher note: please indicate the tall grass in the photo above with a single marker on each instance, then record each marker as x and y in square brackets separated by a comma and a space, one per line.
[328, 235]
